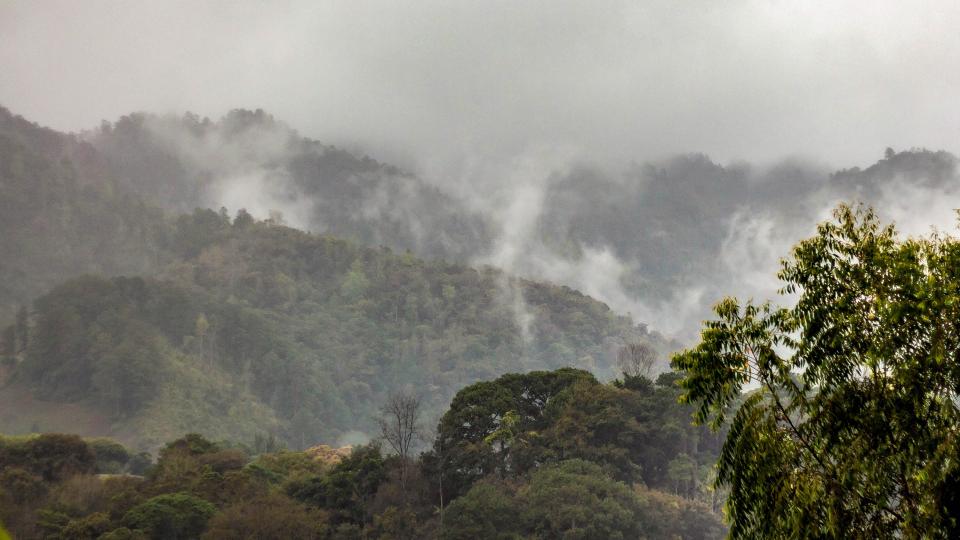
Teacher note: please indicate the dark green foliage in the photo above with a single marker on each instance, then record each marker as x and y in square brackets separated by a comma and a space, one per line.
[52, 456]
[478, 411]
[487, 510]
[86, 528]
[94, 336]
[123, 533]
[532, 489]
[112, 457]
[571, 499]
[575, 499]
[347, 488]
[282, 328]
[851, 430]
[21, 484]
[140, 463]
[635, 430]
[272, 517]
[192, 463]
[174, 516]
[279, 314]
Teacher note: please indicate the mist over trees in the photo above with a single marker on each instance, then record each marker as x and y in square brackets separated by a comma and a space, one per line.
[445, 270]
[244, 327]
[661, 240]
[138, 300]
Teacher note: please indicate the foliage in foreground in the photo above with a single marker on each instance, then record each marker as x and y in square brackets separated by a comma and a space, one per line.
[589, 483]
[851, 423]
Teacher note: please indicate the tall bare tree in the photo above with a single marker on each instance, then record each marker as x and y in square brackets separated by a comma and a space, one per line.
[635, 359]
[400, 427]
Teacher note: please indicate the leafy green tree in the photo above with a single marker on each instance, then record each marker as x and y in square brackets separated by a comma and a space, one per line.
[576, 499]
[171, 516]
[126, 374]
[86, 528]
[272, 517]
[347, 488]
[488, 510]
[570, 499]
[111, 456]
[123, 533]
[850, 425]
[484, 412]
[670, 516]
[53, 456]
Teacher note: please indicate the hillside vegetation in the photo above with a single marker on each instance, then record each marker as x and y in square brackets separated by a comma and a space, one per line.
[235, 327]
[549, 454]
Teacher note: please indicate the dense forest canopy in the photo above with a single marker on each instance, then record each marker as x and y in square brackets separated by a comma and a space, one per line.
[238, 327]
[432, 270]
[135, 305]
[661, 239]
[584, 459]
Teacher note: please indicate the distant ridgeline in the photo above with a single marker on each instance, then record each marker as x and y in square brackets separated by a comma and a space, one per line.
[237, 323]
[240, 327]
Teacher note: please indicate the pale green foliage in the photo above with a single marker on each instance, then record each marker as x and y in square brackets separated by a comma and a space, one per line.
[850, 429]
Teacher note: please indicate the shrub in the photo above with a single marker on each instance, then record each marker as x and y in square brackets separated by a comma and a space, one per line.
[170, 517]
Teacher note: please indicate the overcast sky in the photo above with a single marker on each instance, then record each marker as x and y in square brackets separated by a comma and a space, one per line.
[445, 82]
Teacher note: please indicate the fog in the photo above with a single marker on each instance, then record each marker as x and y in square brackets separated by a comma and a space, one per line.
[656, 155]
[437, 85]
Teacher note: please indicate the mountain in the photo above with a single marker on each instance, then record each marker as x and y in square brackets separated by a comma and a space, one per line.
[152, 324]
[248, 159]
[663, 239]
[299, 331]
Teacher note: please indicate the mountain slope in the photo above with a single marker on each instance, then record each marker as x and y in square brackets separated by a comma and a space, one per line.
[263, 327]
[236, 326]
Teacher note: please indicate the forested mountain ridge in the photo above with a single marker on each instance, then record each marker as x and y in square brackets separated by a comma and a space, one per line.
[315, 329]
[62, 212]
[118, 200]
[181, 163]
[237, 327]
[662, 239]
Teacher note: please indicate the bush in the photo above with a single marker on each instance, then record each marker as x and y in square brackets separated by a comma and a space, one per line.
[112, 457]
[170, 517]
[272, 517]
[53, 456]
[87, 528]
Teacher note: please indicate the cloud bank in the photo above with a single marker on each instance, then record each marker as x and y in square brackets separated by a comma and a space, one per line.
[434, 85]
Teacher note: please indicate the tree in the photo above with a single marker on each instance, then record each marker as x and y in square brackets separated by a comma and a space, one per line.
[174, 516]
[570, 499]
[400, 427]
[488, 510]
[270, 517]
[347, 488]
[479, 410]
[850, 428]
[636, 359]
[576, 499]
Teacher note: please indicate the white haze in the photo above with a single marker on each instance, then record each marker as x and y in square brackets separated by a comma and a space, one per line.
[431, 84]
[494, 101]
